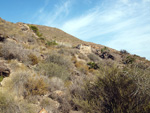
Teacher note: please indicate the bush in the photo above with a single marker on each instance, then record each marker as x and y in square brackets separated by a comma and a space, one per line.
[9, 105]
[48, 43]
[59, 59]
[26, 84]
[35, 30]
[33, 59]
[54, 70]
[93, 57]
[112, 92]
[124, 52]
[92, 65]
[35, 86]
[105, 49]
[12, 50]
[128, 60]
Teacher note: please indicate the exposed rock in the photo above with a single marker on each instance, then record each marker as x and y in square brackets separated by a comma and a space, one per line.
[4, 71]
[59, 93]
[84, 48]
[23, 26]
[3, 37]
[104, 55]
[43, 111]
[107, 55]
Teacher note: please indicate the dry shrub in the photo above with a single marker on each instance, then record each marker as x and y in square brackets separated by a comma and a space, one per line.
[56, 66]
[33, 58]
[59, 59]
[11, 50]
[114, 91]
[35, 86]
[68, 51]
[26, 84]
[56, 83]
[54, 70]
[49, 105]
[93, 57]
[9, 105]
[82, 67]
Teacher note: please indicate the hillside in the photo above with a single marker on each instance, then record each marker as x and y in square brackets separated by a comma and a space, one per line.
[45, 69]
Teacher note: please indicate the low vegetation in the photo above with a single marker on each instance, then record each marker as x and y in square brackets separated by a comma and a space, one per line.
[47, 71]
[113, 91]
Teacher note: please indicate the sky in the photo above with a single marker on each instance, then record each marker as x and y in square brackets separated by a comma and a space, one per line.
[118, 24]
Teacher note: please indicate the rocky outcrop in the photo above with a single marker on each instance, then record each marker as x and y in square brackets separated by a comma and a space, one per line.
[104, 55]
[3, 37]
[84, 48]
[4, 70]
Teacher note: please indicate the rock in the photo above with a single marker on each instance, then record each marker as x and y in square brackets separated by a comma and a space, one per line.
[84, 48]
[107, 55]
[3, 37]
[4, 71]
[43, 111]
[58, 93]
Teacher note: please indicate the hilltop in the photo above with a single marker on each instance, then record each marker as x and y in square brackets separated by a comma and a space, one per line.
[47, 69]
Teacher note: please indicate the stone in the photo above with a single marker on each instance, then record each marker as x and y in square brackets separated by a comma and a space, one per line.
[84, 48]
[43, 111]
[3, 37]
[4, 70]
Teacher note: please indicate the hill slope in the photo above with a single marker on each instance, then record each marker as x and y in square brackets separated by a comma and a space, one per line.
[46, 69]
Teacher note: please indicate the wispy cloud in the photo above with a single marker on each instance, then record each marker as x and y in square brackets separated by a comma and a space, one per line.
[51, 16]
[125, 25]
[120, 24]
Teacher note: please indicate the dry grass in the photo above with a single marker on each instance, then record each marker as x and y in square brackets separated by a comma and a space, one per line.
[114, 91]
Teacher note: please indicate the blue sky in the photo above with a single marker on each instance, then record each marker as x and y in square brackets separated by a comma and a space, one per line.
[119, 24]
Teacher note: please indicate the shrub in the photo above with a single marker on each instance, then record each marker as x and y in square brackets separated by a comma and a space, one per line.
[56, 65]
[59, 59]
[11, 50]
[26, 84]
[48, 43]
[1, 78]
[54, 70]
[93, 57]
[124, 52]
[35, 30]
[112, 92]
[128, 60]
[33, 59]
[35, 86]
[9, 105]
[92, 65]
[105, 49]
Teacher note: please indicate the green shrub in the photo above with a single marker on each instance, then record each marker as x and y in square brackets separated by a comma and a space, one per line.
[105, 49]
[128, 60]
[50, 43]
[1, 78]
[112, 92]
[35, 30]
[92, 65]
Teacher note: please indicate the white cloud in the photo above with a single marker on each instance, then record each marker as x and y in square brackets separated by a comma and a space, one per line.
[120, 24]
